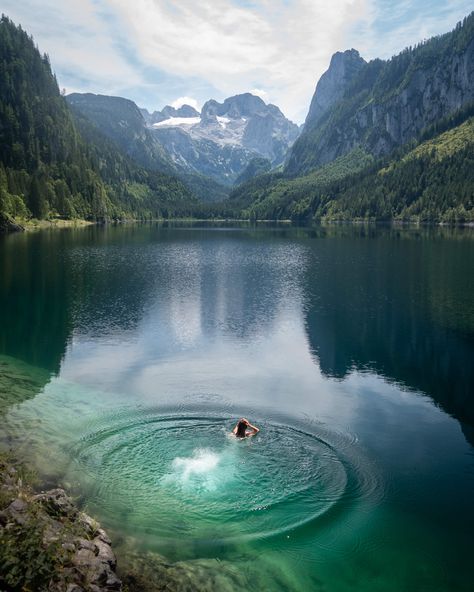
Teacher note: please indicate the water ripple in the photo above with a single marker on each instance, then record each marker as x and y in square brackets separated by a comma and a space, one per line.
[184, 477]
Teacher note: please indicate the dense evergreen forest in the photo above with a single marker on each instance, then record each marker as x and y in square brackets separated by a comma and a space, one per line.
[55, 164]
[430, 180]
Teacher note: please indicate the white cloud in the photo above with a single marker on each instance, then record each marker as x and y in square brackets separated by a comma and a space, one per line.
[75, 36]
[258, 92]
[406, 23]
[277, 46]
[186, 101]
[154, 50]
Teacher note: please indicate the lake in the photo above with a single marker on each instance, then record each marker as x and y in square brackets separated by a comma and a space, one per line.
[127, 353]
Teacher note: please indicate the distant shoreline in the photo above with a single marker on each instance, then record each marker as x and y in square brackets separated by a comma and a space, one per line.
[18, 225]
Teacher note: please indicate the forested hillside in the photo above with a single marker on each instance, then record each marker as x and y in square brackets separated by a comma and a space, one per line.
[123, 122]
[55, 165]
[382, 141]
[431, 180]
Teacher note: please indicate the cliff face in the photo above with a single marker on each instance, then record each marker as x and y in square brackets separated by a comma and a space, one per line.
[200, 155]
[333, 83]
[380, 105]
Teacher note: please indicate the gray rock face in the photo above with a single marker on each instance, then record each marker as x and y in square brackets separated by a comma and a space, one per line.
[228, 136]
[168, 112]
[183, 111]
[430, 94]
[333, 83]
[204, 156]
[379, 105]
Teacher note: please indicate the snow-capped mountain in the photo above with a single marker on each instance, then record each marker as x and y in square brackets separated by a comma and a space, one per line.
[220, 142]
[222, 139]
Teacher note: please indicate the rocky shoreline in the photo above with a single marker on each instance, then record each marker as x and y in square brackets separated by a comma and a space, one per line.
[7, 224]
[47, 543]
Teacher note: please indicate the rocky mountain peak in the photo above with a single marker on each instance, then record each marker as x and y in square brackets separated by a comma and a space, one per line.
[244, 105]
[183, 111]
[115, 109]
[343, 67]
[393, 100]
[210, 110]
[236, 107]
[169, 112]
[227, 136]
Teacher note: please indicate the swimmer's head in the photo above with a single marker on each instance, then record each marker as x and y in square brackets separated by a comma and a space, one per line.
[241, 428]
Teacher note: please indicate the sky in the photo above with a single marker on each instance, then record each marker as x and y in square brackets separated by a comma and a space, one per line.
[160, 52]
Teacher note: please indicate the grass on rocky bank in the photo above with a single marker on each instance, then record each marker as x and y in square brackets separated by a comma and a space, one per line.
[46, 543]
[27, 563]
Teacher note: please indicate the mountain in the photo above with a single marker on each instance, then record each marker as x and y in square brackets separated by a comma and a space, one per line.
[380, 105]
[217, 144]
[389, 140]
[222, 140]
[333, 83]
[123, 122]
[52, 165]
[256, 167]
[428, 181]
[185, 111]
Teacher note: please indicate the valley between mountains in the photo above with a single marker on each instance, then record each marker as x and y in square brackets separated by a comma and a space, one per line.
[384, 140]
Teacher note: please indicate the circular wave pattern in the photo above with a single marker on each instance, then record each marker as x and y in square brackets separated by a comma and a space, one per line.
[186, 478]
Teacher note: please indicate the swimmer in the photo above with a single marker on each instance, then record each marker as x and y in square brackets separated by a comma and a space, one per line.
[241, 430]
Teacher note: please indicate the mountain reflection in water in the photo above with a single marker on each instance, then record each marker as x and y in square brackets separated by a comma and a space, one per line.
[391, 302]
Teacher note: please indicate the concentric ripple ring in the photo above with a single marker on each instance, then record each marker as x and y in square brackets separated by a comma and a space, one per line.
[181, 477]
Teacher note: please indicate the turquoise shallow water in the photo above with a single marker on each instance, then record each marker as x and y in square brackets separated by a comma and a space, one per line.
[127, 354]
[192, 468]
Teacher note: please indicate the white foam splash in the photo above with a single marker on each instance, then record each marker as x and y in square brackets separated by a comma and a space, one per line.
[196, 471]
[202, 461]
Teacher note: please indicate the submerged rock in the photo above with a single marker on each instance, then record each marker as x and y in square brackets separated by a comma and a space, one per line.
[151, 572]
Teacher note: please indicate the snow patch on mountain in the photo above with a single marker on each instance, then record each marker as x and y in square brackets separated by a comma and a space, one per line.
[177, 121]
[223, 121]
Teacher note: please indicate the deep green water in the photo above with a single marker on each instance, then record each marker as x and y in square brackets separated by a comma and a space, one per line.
[127, 353]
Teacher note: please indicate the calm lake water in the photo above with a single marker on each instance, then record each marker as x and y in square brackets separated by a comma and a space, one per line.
[127, 354]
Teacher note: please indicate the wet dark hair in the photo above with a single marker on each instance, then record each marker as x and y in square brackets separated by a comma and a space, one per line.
[241, 429]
